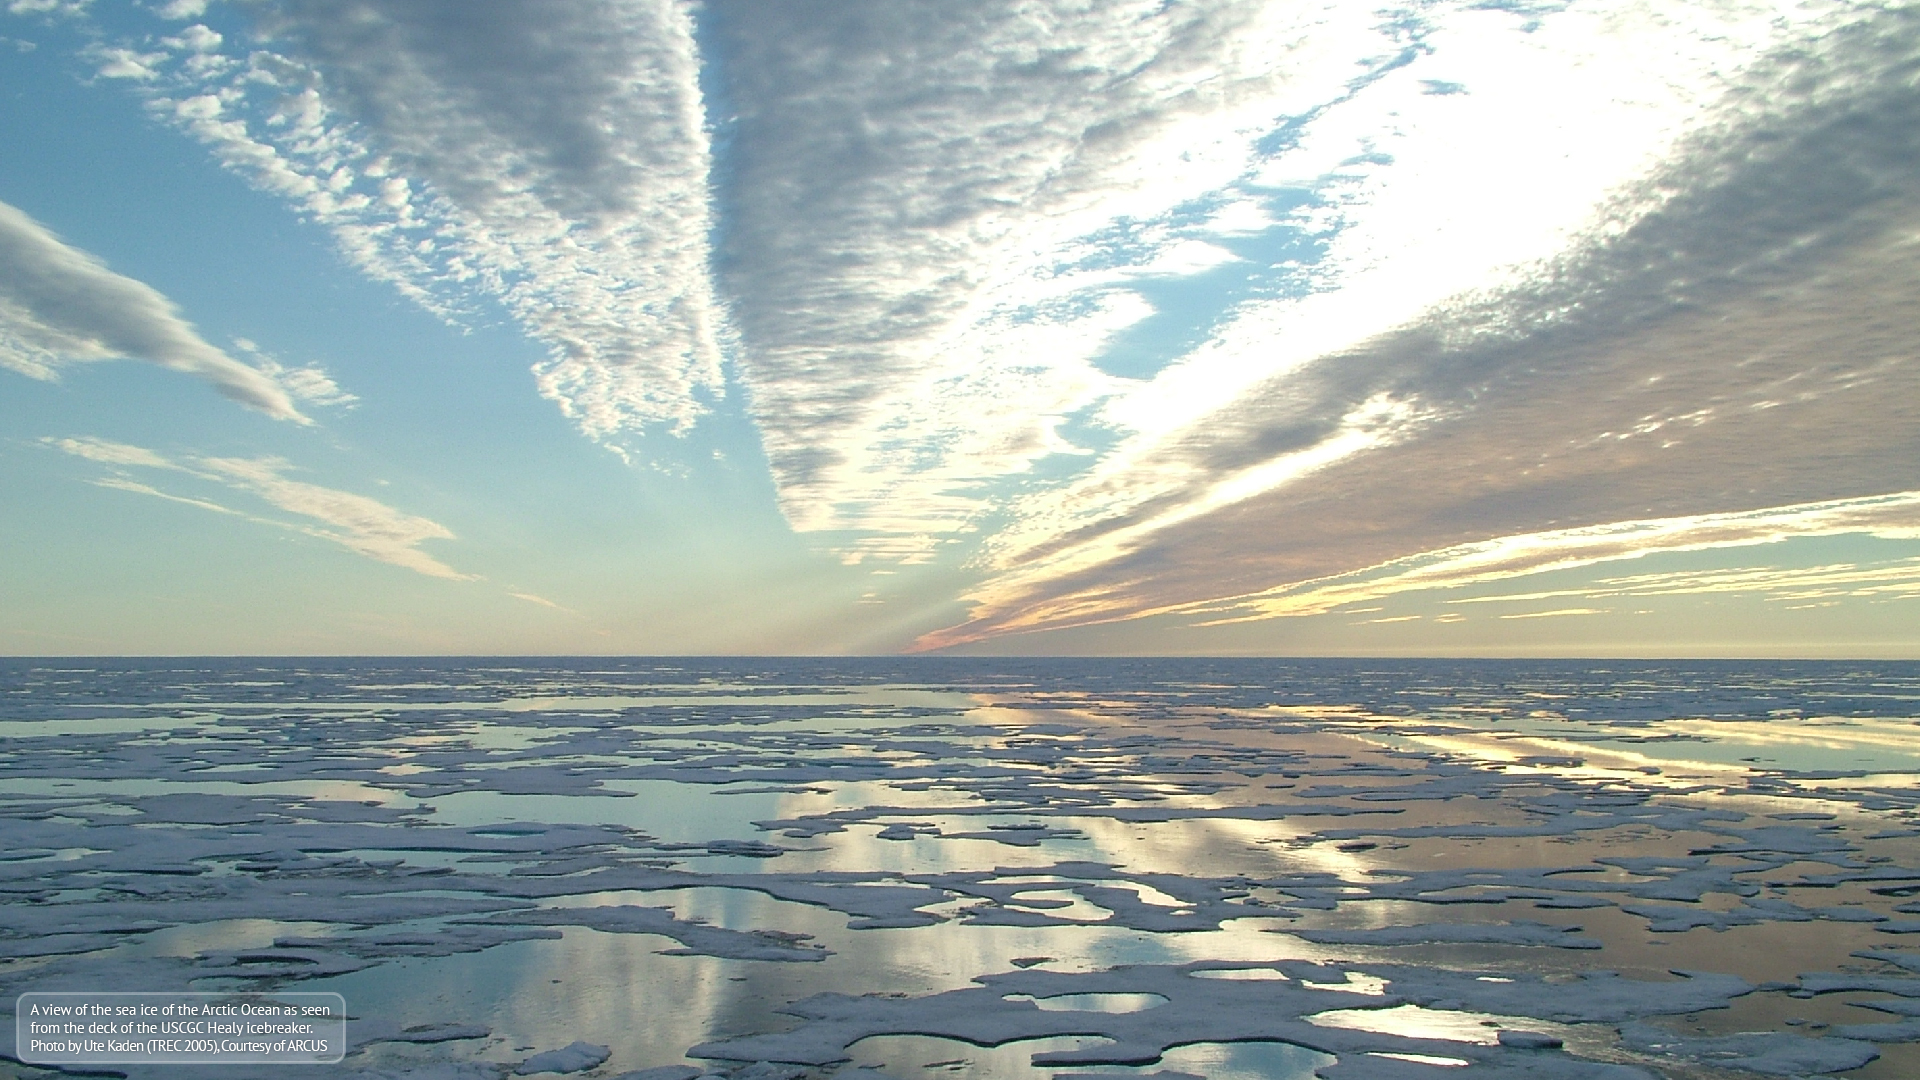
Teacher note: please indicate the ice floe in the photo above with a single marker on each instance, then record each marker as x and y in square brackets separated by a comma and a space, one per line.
[1140, 857]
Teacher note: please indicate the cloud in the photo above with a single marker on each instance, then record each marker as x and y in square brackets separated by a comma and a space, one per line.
[933, 263]
[126, 63]
[59, 305]
[1897, 579]
[939, 219]
[937, 215]
[362, 525]
[122, 483]
[551, 158]
[533, 598]
[311, 383]
[1731, 332]
[47, 7]
[910, 241]
[355, 522]
[111, 453]
[1468, 272]
[1894, 517]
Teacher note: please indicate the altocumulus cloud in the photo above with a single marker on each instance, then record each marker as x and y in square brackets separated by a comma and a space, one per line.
[59, 305]
[362, 525]
[552, 157]
[939, 213]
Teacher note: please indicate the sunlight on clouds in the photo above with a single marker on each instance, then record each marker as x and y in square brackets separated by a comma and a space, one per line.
[1162, 494]
[361, 525]
[1730, 346]
[1890, 516]
[1893, 580]
[1424, 197]
[970, 224]
[1375, 424]
[1419, 196]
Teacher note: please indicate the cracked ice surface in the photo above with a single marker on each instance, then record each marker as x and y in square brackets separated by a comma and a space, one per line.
[937, 867]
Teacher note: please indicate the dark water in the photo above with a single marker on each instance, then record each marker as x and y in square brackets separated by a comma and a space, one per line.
[1246, 868]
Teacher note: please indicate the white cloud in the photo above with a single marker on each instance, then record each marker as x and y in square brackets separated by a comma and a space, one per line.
[47, 7]
[59, 305]
[534, 598]
[197, 38]
[928, 261]
[1431, 197]
[926, 258]
[111, 453]
[362, 525]
[551, 158]
[311, 383]
[123, 483]
[126, 63]
[359, 524]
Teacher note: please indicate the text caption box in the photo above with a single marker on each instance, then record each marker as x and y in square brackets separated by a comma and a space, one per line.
[179, 1028]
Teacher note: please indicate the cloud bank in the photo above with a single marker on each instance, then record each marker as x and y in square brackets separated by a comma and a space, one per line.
[59, 305]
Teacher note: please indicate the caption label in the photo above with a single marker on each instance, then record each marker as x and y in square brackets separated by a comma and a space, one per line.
[184, 1028]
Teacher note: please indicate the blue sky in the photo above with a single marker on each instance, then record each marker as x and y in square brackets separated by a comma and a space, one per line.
[1218, 327]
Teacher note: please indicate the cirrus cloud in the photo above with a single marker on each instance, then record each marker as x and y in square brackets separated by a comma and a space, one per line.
[362, 525]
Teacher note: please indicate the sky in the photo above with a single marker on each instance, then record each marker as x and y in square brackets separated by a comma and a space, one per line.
[1509, 327]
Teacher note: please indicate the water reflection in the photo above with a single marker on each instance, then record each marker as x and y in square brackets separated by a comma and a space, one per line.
[1231, 1061]
[1101, 1003]
[916, 1057]
[922, 1057]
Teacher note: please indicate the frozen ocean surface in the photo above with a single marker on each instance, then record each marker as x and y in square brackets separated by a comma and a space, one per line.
[951, 868]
